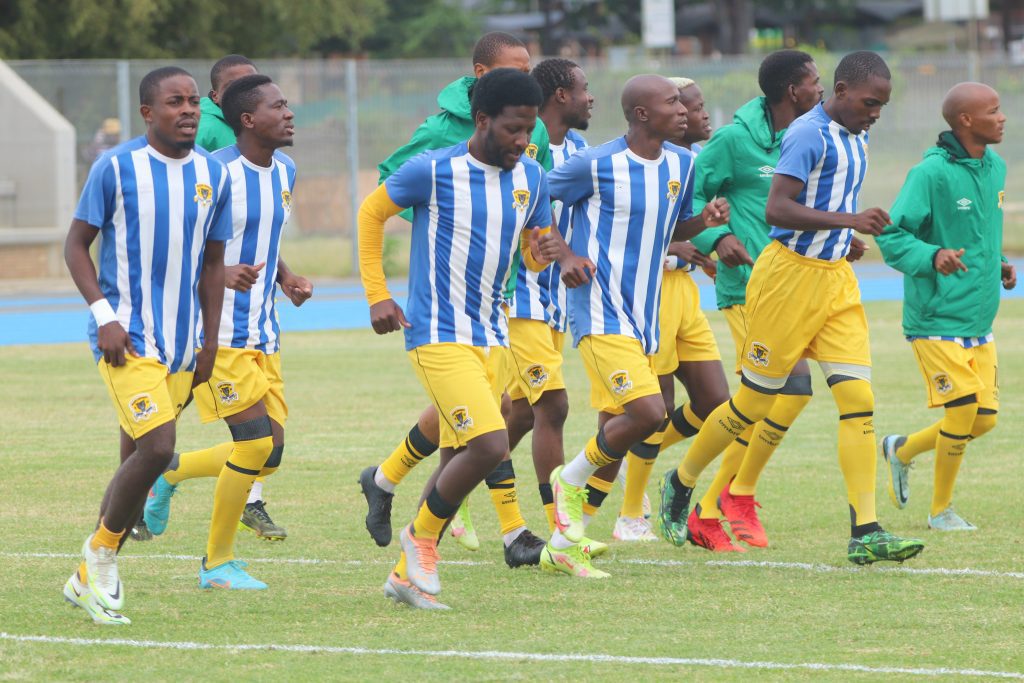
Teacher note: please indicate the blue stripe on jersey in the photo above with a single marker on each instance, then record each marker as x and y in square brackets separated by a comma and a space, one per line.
[161, 237]
[187, 301]
[651, 335]
[129, 190]
[250, 240]
[270, 286]
[509, 235]
[445, 189]
[477, 244]
[631, 261]
[608, 193]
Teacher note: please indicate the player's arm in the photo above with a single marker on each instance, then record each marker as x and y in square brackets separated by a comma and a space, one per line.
[784, 211]
[713, 214]
[295, 287]
[903, 243]
[385, 314]
[1007, 273]
[211, 301]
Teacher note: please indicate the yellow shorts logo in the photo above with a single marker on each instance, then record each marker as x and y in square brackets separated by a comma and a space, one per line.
[943, 384]
[537, 375]
[759, 354]
[531, 151]
[620, 382]
[142, 407]
[204, 194]
[461, 419]
[226, 393]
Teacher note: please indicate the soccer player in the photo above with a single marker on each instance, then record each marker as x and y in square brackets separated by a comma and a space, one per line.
[803, 301]
[214, 131]
[471, 205]
[946, 237]
[737, 164]
[160, 205]
[246, 388]
[538, 315]
[453, 125]
[626, 198]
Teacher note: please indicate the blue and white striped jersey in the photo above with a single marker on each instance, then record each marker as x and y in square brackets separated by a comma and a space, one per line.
[831, 162]
[674, 262]
[964, 342]
[624, 211]
[468, 218]
[541, 296]
[155, 215]
[261, 204]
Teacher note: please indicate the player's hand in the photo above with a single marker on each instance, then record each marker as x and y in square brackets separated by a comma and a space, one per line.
[242, 277]
[715, 213]
[870, 222]
[686, 251]
[732, 253]
[297, 288]
[947, 261]
[113, 341]
[387, 316]
[576, 270]
[1009, 276]
[545, 248]
[204, 364]
[857, 249]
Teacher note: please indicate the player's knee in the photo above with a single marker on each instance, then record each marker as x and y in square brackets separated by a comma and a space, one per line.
[520, 418]
[797, 385]
[273, 461]
[506, 405]
[984, 422]
[429, 425]
[647, 413]
[753, 401]
[853, 395]
[553, 408]
[254, 444]
[490, 448]
[500, 474]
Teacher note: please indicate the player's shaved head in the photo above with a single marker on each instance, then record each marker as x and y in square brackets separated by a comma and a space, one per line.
[965, 98]
[642, 91]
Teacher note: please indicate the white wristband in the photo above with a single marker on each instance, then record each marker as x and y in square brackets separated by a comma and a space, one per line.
[102, 312]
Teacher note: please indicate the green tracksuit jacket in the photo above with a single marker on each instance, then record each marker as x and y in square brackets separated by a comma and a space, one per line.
[949, 201]
[214, 132]
[454, 124]
[738, 163]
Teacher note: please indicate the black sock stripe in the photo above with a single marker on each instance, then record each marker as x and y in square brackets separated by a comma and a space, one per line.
[412, 451]
[510, 485]
[547, 497]
[987, 411]
[275, 457]
[742, 442]
[645, 451]
[757, 387]
[775, 425]
[850, 416]
[682, 425]
[602, 444]
[503, 472]
[418, 444]
[732, 407]
[438, 506]
[955, 437]
[250, 430]
[241, 470]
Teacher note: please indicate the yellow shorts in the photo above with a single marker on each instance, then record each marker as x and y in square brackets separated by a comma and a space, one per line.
[145, 395]
[684, 332]
[464, 387]
[950, 371]
[619, 371]
[799, 307]
[240, 379]
[736, 316]
[536, 357]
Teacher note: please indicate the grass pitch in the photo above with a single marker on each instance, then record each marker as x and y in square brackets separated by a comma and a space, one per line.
[352, 396]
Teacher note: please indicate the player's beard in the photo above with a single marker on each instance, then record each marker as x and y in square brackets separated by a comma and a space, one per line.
[186, 145]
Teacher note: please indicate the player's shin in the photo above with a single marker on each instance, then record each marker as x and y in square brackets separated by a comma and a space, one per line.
[856, 402]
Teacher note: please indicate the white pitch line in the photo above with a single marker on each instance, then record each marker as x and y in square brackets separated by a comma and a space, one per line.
[763, 564]
[520, 656]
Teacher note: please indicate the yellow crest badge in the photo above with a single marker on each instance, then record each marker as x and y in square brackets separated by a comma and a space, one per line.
[142, 407]
[1002, 197]
[673, 189]
[531, 151]
[621, 383]
[226, 393]
[943, 384]
[461, 419]
[759, 354]
[521, 199]
[536, 375]
[204, 194]
[286, 200]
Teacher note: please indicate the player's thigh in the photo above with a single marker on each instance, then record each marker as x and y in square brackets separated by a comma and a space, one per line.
[695, 341]
[536, 359]
[277, 408]
[947, 370]
[843, 337]
[139, 391]
[671, 310]
[986, 366]
[459, 385]
[736, 318]
[619, 371]
[237, 383]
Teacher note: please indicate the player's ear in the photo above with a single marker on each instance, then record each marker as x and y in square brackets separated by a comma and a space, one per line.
[247, 120]
[479, 70]
[840, 89]
[147, 113]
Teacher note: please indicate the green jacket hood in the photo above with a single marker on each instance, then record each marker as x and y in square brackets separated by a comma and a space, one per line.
[455, 97]
[755, 117]
[208, 107]
[949, 147]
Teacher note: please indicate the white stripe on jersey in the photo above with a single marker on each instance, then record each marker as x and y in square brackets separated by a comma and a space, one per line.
[147, 224]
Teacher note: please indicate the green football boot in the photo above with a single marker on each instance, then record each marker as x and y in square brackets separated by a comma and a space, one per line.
[881, 545]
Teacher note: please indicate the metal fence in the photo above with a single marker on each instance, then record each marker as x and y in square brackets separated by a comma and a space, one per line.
[351, 114]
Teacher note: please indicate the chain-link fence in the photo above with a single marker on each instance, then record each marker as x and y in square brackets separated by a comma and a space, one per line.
[337, 154]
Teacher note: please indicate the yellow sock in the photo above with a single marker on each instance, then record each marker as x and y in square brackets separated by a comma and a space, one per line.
[596, 456]
[427, 524]
[549, 512]
[399, 569]
[501, 483]
[205, 463]
[918, 443]
[765, 438]
[984, 422]
[105, 538]
[731, 460]
[547, 499]
[682, 424]
[640, 462]
[724, 424]
[83, 573]
[857, 447]
[413, 449]
[233, 483]
[950, 448]
[597, 490]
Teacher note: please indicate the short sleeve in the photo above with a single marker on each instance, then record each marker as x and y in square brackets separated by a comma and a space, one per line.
[96, 205]
[573, 180]
[541, 217]
[220, 225]
[686, 212]
[801, 150]
[411, 184]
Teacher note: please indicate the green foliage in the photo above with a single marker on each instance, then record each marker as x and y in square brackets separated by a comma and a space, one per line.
[425, 28]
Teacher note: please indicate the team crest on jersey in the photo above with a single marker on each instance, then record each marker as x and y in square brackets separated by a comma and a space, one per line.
[531, 151]
[521, 199]
[759, 354]
[462, 421]
[204, 194]
[673, 189]
[286, 200]
[537, 375]
[142, 407]
[1002, 196]
[226, 393]
[943, 384]
[621, 383]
